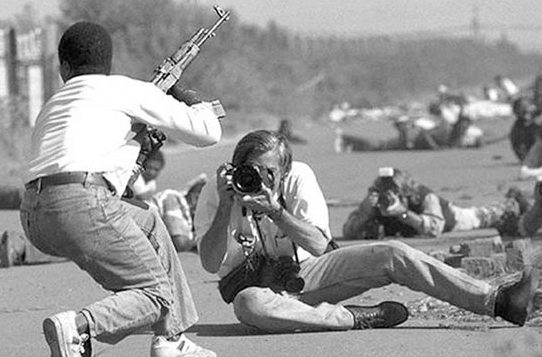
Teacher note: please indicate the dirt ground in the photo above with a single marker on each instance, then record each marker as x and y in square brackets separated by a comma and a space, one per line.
[468, 177]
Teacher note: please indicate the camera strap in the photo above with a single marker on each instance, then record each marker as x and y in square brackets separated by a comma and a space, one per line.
[255, 226]
[256, 230]
[282, 202]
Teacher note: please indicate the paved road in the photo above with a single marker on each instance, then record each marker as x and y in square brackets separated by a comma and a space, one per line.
[30, 293]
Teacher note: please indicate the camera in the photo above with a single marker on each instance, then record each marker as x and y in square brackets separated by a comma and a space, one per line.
[387, 184]
[248, 179]
[150, 140]
[285, 274]
[385, 200]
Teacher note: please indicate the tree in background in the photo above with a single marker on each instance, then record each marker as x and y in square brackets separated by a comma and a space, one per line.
[254, 69]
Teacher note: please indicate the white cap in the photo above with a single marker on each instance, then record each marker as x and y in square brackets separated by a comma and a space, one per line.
[385, 172]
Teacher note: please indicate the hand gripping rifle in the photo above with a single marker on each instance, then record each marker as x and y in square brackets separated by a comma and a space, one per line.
[165, 76]
[171, 68]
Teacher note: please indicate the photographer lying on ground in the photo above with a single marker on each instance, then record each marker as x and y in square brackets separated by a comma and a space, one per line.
[262, 227]
[397, 205]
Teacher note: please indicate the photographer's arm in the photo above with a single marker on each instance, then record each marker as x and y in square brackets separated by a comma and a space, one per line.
[214, 242]
[304, 234]
[431, 221]
[432, 216]
[428, 223]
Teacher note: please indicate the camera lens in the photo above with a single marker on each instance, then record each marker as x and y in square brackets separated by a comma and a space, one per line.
[246, 179]
[294, 285]
[383, 200]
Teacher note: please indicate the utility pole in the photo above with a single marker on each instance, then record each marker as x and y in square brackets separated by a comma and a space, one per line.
[12, 63]
[475, 22]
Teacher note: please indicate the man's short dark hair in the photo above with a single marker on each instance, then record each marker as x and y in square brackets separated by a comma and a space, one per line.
[87, 47]
[259, 142]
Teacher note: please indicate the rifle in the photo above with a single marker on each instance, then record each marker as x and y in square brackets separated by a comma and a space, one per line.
[165, 76]
[171, 68]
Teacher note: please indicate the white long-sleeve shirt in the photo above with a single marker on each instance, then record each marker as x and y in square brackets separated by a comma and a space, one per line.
[86, 126]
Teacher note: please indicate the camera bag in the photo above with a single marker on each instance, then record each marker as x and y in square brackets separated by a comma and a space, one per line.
[241, 277]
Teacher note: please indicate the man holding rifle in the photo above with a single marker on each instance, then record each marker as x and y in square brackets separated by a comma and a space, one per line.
[82, 155]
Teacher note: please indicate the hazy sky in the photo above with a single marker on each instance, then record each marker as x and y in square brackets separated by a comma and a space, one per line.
[364, 17]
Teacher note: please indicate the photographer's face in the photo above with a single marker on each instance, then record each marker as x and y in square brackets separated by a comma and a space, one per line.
[271, 162]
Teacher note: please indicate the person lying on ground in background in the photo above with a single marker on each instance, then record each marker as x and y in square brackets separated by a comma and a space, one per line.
[440, 132]
[262, 226]
[526, 129]
[398, 205]
[10, 197]
[509, 90]
[15, 249]
[531, 166]
[176, 207]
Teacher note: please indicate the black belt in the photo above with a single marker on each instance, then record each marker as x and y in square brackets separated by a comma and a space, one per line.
[64, 178]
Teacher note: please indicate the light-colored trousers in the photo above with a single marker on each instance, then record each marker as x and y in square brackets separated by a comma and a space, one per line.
[124, 248]
[350, 271]
[469, 218]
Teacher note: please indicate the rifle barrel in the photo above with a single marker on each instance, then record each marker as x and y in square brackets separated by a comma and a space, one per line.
[223, 17]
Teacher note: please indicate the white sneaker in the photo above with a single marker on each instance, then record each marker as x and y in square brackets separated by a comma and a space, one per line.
[61, 334]
[161, 347]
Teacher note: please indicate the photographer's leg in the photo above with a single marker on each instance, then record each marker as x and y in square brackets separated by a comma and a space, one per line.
[350, 271]
[269, 311]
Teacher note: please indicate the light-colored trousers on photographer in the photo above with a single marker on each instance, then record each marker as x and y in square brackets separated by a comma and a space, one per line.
[350, 271]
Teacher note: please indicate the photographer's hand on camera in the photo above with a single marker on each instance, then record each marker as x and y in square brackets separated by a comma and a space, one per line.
[393, 206]
[223, 184]
[390, 204]
[261, 202]
[373, 197]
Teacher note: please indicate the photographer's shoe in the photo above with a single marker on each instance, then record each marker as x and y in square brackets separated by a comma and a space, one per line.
[514, 302]
[385, 314]
[61, 334]
[183, 347]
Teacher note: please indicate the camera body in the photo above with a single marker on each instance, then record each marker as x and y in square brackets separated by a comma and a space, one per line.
[283, 274]
[385, 199]
[150, 140]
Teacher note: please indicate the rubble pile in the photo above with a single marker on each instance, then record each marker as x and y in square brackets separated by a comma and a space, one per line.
[490, 259]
